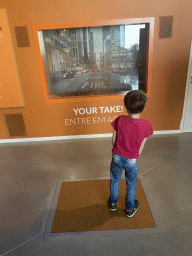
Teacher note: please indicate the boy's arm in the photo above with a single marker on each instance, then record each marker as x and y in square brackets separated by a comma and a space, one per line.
[142, 146]
[114, 137]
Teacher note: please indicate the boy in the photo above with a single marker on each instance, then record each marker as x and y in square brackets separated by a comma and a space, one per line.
[129, 136]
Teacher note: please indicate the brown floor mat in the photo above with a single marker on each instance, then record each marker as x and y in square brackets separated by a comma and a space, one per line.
[82, 206]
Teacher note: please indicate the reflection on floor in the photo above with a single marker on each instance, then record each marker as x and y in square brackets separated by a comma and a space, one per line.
[29, 175]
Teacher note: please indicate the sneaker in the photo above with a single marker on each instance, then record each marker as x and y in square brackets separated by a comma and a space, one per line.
[131, 212]
[112, 206]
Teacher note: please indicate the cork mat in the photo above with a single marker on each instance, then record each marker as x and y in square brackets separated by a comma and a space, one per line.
[82, 206]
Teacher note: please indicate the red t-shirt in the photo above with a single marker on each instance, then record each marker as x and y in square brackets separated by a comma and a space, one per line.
[129, 135]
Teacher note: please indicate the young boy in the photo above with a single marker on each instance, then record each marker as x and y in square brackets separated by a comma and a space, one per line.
[129, 136]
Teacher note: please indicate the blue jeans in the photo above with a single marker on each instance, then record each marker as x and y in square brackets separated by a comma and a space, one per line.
[130, 166]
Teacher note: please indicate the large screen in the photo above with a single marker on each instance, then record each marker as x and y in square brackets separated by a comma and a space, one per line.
[95, 60]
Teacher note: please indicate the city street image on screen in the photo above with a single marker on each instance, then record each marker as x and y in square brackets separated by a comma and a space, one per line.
[95, 60]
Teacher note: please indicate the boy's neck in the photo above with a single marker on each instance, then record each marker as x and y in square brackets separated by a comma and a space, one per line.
[134, 116]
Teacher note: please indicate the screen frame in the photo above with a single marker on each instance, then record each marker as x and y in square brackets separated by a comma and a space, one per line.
[120, 95]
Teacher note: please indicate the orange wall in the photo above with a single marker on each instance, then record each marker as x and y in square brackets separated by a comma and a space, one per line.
[170, 63]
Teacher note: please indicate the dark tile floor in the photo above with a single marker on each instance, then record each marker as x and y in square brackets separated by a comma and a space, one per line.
[29, 174]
